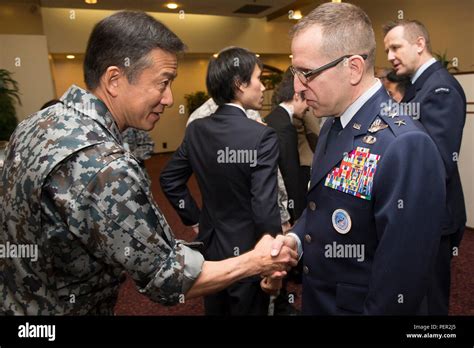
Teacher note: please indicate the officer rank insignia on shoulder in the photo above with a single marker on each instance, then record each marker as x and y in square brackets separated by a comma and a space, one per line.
[356, 173]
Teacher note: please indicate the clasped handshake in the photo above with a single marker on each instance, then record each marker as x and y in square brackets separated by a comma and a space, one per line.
[275, 256]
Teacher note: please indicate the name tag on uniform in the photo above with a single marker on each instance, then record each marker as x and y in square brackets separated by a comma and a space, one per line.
[356, 173]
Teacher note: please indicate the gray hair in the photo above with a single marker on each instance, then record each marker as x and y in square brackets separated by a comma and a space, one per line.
[346, 29]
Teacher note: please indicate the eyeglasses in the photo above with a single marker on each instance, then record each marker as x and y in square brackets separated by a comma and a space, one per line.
[305, 77]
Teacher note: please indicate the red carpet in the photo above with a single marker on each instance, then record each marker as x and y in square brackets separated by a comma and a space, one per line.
[131, 302]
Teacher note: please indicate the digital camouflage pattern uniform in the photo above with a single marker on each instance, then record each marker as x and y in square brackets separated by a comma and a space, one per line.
[71, 188]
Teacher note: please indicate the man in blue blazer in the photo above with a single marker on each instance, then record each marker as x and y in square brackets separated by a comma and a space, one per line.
[440, 105]
[370, 232]
[235, 161]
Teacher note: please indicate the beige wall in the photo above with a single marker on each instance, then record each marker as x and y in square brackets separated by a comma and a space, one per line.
[280, 61]
[67, 72]
[68, 31]
[26, 56]
[20, 18]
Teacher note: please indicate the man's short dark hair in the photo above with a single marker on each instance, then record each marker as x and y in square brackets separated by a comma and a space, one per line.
[402, 81]
[285, 90]
[125, 39]
[233, 66]
[50, 103]
[412, 30]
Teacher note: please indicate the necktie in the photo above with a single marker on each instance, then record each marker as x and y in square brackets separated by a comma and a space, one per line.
[334, 132]
[409, 93]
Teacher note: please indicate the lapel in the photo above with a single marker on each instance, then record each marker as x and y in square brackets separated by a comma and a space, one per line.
[324, 162]
[412, 90]
[284, 116]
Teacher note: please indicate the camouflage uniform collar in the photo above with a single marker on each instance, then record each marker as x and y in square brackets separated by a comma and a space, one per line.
[88, 104]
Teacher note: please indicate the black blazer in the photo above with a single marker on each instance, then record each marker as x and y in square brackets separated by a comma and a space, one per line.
[239, 193]
[443, 114]
[288, 160]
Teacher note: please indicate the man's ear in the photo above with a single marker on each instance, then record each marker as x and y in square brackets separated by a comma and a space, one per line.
[112, 80]
[420, 44]
[356, 65]
[238, 85]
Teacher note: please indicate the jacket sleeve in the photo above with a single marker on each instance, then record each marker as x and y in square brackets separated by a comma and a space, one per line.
[264, 185]
[443, 114]
[117, 221]
[173, 180]
[408, 205]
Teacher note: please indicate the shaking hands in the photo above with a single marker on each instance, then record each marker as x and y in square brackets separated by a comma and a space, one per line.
[272, 282]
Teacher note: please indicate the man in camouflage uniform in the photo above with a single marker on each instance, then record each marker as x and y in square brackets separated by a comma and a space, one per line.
[71, 189]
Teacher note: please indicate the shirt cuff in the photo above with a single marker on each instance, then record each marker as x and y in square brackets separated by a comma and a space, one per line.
[298, 242]
[176, 276]
[193, 261]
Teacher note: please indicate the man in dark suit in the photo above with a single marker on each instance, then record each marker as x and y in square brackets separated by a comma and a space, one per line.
[235, 161]
[370, 233]
[440, 105]
[288, 105]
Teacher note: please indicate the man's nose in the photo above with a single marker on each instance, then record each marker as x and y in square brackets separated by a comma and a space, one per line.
[167, 99]
[390, 56]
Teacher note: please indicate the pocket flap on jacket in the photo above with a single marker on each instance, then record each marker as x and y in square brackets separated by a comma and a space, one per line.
[351, 297]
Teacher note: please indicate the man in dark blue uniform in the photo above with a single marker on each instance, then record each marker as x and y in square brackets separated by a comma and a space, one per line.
[441, 107]
[370, 232]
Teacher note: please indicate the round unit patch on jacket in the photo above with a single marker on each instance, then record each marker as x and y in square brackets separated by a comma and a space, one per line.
[341, 221]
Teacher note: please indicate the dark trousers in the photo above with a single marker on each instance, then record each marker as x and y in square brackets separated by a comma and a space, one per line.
[241, 298]
[439, 291]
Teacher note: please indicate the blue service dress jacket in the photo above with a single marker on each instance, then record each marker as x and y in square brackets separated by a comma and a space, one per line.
[371, 229]
[442, 105]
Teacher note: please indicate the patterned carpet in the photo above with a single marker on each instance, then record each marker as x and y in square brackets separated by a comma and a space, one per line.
[131, 302]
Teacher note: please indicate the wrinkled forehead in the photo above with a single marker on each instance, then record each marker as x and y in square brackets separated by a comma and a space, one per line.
[162, 58]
